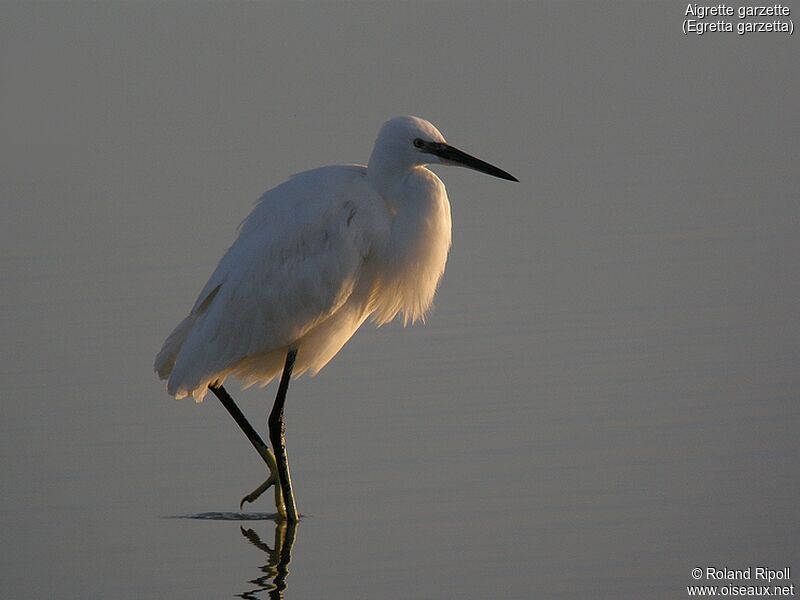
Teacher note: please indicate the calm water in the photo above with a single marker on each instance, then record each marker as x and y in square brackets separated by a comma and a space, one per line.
[605, 397]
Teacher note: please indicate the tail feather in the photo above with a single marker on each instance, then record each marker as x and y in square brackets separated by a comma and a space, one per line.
[165, 359]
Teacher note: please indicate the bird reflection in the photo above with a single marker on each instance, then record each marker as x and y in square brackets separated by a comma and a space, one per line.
[277, 568]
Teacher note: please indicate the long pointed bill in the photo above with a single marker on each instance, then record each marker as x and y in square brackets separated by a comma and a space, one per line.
[457, 157]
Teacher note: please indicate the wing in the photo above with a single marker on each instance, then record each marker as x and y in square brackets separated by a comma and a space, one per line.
[296, 261]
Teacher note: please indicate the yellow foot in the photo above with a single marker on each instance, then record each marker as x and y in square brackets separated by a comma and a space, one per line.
[256, 494]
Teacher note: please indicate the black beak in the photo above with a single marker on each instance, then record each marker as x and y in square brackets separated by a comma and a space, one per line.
[457, 157]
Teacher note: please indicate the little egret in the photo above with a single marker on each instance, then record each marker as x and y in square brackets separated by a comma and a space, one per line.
[318, 255]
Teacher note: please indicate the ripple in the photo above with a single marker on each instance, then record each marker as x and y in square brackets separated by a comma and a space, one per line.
[227, 516]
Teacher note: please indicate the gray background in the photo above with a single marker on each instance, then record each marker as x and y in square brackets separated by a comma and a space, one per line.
[605, 397]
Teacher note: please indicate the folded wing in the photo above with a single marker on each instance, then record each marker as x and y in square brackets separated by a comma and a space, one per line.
[297, 261]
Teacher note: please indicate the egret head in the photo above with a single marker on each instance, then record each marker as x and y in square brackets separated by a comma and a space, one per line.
[407, 142]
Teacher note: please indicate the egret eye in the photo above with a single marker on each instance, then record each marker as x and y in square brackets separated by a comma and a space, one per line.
[418, 143]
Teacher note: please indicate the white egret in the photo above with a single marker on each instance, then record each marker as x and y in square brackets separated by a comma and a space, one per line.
[318, 255]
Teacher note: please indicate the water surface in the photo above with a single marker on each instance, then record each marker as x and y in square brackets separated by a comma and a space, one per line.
[605, 397]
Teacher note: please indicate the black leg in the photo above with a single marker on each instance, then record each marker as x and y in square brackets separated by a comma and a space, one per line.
[278, 439]
[252, 435]
[255, 439]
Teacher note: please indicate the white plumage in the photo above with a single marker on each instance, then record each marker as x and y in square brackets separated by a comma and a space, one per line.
[317, 256]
